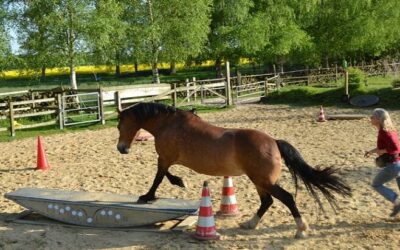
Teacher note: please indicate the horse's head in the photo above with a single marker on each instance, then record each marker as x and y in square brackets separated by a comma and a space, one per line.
[128, 128]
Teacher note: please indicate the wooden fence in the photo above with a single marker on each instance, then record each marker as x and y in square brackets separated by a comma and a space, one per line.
[221, 91]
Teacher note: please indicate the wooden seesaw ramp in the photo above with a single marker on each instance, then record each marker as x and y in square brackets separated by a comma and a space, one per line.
[100, 209]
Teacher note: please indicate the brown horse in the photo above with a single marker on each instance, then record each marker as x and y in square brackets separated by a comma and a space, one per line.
[181, 137]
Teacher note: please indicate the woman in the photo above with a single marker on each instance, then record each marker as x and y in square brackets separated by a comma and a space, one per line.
[387, 143]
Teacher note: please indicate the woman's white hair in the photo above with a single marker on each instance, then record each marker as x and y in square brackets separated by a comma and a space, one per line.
[384, 119]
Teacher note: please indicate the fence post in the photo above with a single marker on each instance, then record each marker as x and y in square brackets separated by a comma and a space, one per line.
[101, 107]
[60, 111]
[174, 95]
[266, 87]
[228, 89]
[33, 104]
[194, 85]
[117, 100]
[202, 93]
[277, 82]
[11, 109]
[336, 74]
[346, 82]
[187, 90]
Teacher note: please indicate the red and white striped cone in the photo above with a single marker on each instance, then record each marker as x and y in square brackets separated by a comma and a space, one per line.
[321, 116]
[228, 205]
[205, 229]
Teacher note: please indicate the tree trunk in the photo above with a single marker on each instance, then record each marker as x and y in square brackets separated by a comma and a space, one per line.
[117, 70]
[117, 66]
[218, 69]
[43, 75]
[136, 65]
[156, 77]
[72, 76]
[172, 68]
[326, 61]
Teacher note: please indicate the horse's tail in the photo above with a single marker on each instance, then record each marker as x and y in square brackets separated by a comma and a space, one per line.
[322, 179]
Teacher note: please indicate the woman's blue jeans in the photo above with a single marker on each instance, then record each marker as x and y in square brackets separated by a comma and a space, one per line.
[388, 173]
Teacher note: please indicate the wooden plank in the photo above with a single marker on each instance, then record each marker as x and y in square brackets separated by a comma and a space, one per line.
[346, 117]
[14, 93]
[214, 85]
[144, 99]
[42, 124]
[188, 222]
[35, 101]
[36, 114]
[136, 91]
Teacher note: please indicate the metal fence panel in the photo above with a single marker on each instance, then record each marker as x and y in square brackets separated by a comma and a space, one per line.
[81, 108]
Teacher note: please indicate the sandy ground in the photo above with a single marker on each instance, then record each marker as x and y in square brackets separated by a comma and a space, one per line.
[89, 161]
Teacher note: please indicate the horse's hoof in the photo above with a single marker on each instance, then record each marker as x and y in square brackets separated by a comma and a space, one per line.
[252, 223]
[140, 201]
[145, 199]
[300, 235]
[248, 225]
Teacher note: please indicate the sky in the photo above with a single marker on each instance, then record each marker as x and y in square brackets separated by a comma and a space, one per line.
[13, 42]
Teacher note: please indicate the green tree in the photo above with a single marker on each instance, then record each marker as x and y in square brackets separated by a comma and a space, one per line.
[169, 30]
[36, 48]
[185, 34]
[355, 28]
[286, 21]
[5, 48]
[238, 29]
[57, 31]
[107, 34]
[380, 29]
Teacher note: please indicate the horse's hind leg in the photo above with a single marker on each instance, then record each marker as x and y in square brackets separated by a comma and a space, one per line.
[266, 202]
[175, 180]
[287, 199]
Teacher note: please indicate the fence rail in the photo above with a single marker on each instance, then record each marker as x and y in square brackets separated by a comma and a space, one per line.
[17, 105]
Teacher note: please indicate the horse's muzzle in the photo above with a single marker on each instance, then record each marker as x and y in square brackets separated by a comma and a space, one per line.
[122, 149]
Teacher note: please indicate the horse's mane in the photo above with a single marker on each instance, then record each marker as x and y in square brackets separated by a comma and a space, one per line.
[144, 110]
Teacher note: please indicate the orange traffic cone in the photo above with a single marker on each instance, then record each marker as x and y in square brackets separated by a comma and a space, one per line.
[42, 163]
[321, 116]
[205, 229]
[228, 205]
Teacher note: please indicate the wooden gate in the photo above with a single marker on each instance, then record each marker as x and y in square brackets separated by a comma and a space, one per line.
[254, 91]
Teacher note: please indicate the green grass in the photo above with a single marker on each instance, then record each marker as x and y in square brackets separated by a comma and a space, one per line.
[54, 129]
[290, 95]
[312, 96]
[106, 80]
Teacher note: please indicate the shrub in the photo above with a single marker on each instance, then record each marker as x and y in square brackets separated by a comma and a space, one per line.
[356, 77]
[396, 83]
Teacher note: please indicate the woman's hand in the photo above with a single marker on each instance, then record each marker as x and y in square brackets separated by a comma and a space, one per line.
[367, 154]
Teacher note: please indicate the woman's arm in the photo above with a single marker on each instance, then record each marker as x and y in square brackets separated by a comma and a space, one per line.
[375, 151]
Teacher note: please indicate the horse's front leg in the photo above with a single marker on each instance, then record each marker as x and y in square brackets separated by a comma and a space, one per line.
[175, 180]
[151, 194]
